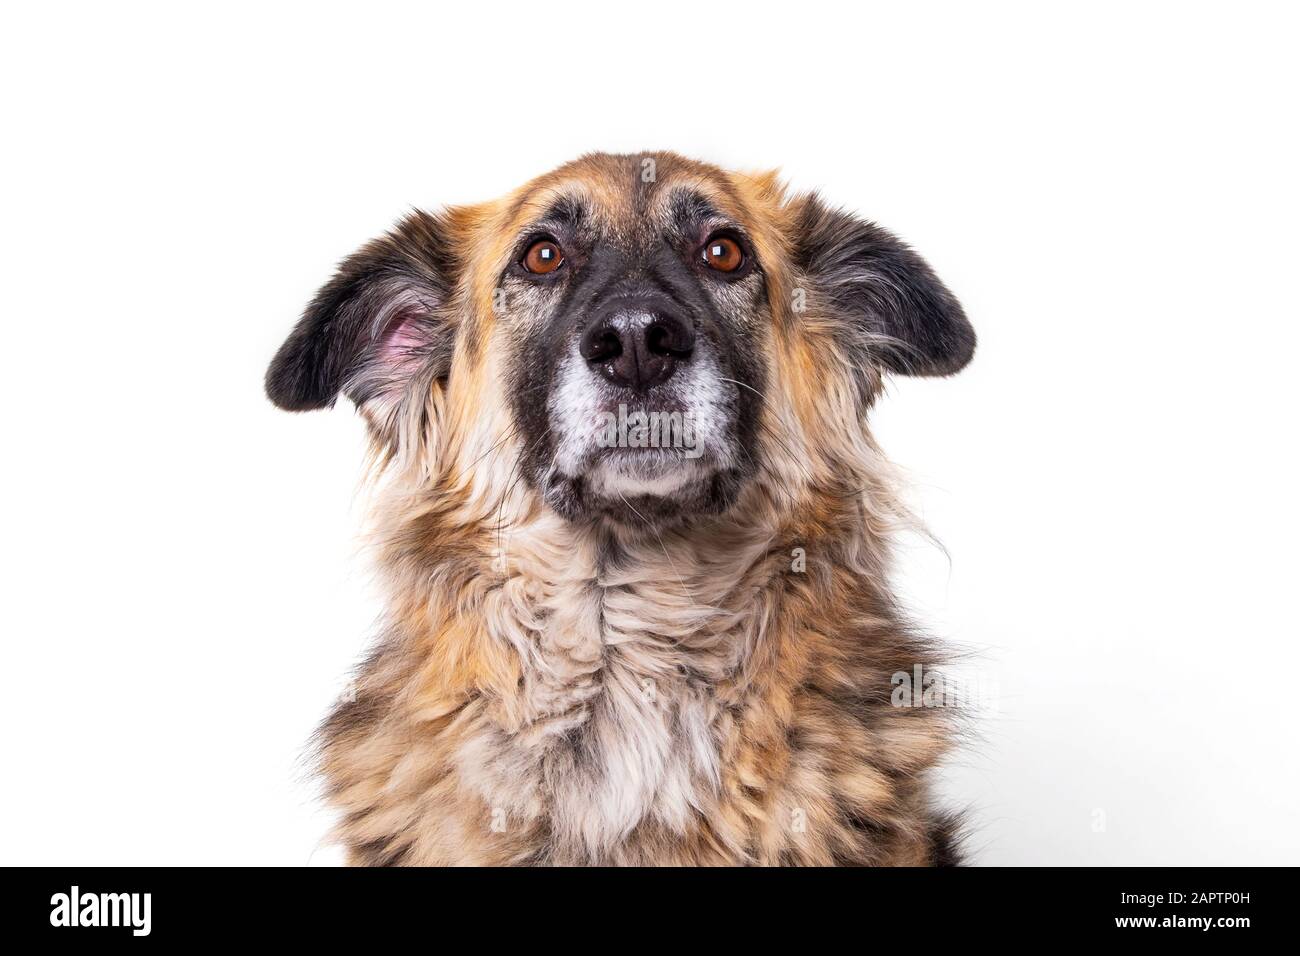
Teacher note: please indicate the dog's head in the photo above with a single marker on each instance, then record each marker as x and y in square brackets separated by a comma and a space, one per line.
[637, 338]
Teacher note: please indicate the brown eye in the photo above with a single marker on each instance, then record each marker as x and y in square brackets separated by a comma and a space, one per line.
[723, 253]
[542, 257]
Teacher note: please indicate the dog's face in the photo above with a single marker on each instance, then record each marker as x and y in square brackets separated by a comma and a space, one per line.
[635, 319]
[645, 333]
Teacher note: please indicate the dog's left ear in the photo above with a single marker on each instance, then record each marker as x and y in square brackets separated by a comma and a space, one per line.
[912, 324]
[372, 326]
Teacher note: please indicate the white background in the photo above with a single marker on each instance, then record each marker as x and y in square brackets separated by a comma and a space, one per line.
[1110, 189]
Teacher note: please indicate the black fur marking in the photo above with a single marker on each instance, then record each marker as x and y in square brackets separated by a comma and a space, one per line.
[886, 289]
[402, 278]
[687, 208]
[380, 853]
[946, 840]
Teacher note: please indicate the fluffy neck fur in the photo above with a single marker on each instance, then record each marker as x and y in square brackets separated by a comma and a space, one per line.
[557, 693]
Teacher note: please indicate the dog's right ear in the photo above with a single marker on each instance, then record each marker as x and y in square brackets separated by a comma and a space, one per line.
[374, 325]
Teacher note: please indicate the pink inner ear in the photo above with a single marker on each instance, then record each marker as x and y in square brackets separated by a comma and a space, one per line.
[404, 327]
[401, 337]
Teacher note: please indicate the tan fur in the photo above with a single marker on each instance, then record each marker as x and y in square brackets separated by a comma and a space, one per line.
[552, 693]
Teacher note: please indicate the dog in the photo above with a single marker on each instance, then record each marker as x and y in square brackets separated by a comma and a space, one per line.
[632, 526]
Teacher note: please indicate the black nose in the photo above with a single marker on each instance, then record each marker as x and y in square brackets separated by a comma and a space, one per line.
[636, 349]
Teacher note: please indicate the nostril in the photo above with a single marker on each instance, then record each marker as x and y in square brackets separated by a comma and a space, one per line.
[600, 343]
[635, 348]
[668, 337]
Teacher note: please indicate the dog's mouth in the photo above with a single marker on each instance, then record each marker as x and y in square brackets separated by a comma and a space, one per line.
[639, 463]
[647, 446]
[646, 472]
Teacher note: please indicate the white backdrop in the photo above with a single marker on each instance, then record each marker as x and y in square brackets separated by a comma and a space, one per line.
[1110, 189]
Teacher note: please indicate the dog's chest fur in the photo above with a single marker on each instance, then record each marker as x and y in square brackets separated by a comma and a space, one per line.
[688, 700]
[618, 724]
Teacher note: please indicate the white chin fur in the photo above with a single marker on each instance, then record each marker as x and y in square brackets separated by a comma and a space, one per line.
[609, 480]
